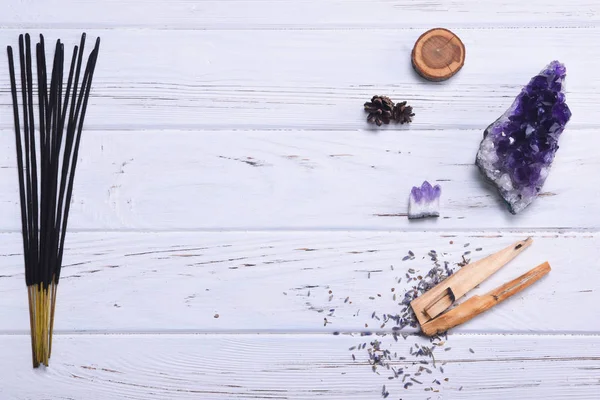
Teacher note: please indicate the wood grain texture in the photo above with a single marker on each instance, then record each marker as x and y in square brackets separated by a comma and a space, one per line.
[90, 367]
[227, 169]
[174, 180]
[315, 79]
[281, 281]
[441, 297]
[438, 54]
[478, 304]
[287, 14]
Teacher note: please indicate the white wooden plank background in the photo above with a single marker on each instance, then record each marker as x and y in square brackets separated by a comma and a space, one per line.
[301, 180]
[294, 367]
[187, 278]
[315, 79]
[287, 14]
[227, 169]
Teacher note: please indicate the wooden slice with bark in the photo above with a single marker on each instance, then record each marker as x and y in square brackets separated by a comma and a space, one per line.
[438, 54]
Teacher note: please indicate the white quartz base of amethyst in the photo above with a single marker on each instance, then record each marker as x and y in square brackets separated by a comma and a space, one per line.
[424, 201]
[517, 150]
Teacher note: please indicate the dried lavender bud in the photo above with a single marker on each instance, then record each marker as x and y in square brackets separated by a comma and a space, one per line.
[379, 357]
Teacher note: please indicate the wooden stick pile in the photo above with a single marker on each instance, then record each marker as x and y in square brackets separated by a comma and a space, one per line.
[47, 151]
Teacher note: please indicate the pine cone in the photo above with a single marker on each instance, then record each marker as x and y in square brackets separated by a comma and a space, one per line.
[380, 109]
[403, 113]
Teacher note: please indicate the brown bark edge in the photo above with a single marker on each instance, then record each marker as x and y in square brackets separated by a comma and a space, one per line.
[424, 61]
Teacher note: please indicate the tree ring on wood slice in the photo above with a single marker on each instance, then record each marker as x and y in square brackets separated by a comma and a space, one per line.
[438, 54]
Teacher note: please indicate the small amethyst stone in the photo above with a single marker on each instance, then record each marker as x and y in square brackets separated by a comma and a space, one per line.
[424, 201]
[517, 150]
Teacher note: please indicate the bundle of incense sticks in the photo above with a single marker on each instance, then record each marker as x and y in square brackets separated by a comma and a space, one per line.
[47, 151]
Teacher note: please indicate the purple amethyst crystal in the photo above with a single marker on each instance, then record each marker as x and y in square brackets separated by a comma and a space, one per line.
[424, 201]
[517, 150]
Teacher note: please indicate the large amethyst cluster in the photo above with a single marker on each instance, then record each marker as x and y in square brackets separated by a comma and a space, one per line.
[518, 148]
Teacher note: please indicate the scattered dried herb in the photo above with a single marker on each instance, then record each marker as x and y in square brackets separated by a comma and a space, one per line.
[419, 359]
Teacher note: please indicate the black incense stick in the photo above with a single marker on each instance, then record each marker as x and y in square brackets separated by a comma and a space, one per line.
[46, 170]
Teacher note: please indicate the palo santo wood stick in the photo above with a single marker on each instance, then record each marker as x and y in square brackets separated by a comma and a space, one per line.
[443, 295]
[479, 304]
